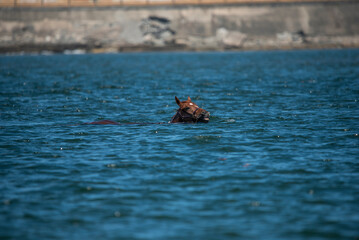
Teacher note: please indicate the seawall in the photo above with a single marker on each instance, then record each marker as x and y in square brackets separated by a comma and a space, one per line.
[196, 27]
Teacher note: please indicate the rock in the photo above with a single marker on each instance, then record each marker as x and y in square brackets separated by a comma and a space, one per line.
[156, 31]
[230, 38]
[289, 38]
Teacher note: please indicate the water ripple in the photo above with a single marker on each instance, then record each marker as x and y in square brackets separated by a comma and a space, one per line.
[278, 158]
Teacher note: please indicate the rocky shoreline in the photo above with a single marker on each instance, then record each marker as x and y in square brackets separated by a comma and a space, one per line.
[180, 28]
[82, 49]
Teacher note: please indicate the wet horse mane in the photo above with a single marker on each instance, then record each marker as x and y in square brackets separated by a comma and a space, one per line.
[188, 112]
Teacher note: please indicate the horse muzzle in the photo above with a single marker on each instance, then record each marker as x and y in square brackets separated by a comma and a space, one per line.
[204, 117]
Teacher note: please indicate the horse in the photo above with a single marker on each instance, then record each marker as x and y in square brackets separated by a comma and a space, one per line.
[188, 112]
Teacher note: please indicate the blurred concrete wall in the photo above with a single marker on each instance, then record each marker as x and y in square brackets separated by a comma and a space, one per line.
[210, 27]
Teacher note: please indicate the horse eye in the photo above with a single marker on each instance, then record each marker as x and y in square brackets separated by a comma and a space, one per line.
[186, 108]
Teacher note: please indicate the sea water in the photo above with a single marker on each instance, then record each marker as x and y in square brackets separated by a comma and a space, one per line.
[279, 158]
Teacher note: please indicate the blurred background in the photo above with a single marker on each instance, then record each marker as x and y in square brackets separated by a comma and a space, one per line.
[78, 26]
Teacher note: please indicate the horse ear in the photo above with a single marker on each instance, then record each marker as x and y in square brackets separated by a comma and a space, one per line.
[177, 101]
[189, 99]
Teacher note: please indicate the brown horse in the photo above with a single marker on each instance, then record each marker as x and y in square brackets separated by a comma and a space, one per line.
[188, 112]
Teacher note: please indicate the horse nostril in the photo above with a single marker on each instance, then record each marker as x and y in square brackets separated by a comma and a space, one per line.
[205, 114]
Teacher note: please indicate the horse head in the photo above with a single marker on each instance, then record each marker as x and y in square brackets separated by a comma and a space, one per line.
[189, 112]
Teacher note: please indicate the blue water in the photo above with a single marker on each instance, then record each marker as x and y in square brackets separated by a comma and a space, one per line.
[278, 160]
